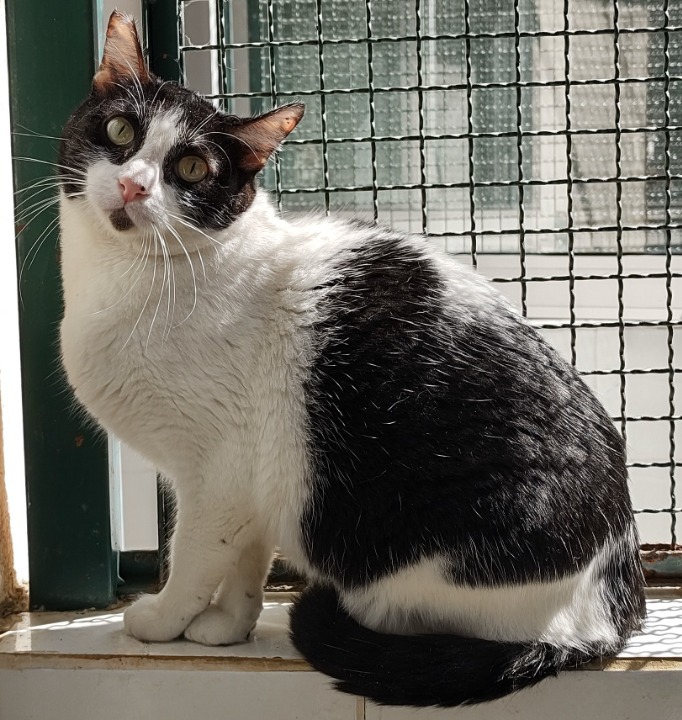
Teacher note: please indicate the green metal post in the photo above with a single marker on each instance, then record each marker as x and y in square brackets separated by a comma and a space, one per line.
[162, 26]
[52, 60]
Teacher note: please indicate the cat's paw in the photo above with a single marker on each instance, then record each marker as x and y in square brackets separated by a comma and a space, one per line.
[146, 619]
[215, 626]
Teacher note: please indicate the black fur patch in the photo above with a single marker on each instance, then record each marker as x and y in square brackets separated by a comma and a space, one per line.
[458, 433]
[120, 220]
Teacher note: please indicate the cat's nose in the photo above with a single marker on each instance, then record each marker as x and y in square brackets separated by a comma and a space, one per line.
[131, 190]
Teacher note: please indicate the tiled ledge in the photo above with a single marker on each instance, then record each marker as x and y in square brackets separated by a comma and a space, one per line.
[78, 666]
[96, 639]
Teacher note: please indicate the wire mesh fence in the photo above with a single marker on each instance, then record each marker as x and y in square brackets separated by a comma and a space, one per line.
[541, 140]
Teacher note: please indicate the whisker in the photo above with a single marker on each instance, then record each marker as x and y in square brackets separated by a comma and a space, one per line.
[30, 213]
[201, 258]
[186, 223]
[171, 270]
[134, 74]
[35, 207]
[217, 243]
[23, 215]
[139, 252]
[170, 306]
[35, 215]
[49, 181]
[35, 249]
[45, 190]
[195, 131]
[158, 90]
[224, 152]
[50, 226]
[233, 137]
[33, 133]
[143, 251]
[191, 265]
[134, 99]
[144, 306]
[163, 283]
[52, 164]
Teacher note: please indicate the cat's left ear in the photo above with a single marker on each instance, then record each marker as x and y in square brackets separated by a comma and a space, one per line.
[262, 135]
[122, 57]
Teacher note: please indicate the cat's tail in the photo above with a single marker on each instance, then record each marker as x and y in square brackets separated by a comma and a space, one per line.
[418, 670]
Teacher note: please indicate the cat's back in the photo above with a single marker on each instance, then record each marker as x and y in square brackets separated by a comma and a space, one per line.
[433, 405]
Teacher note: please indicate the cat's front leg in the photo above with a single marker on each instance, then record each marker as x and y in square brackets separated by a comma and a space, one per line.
[208, 541]
[238, 603]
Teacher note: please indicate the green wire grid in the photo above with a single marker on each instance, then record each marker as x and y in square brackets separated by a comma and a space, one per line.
[531, 129]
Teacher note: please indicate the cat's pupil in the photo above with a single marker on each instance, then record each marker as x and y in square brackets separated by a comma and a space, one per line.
[120, 131]
[192, 169]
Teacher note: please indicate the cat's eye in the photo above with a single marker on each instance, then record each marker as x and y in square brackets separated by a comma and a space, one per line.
[120, 131]
[192, 169]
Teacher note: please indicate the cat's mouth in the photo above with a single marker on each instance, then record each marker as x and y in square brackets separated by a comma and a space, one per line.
[121, 220]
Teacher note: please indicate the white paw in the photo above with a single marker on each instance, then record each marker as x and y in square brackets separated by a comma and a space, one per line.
[147, 619]
[215, 626]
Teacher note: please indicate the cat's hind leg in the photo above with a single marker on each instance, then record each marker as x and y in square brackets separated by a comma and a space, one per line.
[235, 609]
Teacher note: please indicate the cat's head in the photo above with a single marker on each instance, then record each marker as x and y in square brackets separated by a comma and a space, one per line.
[142, 153]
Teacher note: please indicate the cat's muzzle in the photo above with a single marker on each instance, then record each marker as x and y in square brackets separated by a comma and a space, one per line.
[121, 220]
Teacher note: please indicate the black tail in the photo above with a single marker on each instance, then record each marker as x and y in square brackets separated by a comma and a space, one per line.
[417, 670]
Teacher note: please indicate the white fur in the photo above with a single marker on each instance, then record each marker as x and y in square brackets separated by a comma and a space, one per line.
[195, 353]
[568, 612]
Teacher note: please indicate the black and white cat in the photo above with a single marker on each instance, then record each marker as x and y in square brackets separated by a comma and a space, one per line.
[453, 491]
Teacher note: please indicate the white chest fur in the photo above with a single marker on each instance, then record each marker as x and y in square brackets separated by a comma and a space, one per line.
[186, 366]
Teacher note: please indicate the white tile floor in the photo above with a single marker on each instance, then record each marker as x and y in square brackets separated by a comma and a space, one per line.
[58, 666]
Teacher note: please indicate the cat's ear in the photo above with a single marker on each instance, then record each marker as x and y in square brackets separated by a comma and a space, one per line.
[262, 135]
[122, 57]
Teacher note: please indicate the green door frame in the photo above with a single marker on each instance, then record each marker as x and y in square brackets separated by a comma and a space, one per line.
[52, 51]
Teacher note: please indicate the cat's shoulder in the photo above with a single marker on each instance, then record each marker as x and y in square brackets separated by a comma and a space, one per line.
[360, 243]
[367, 253]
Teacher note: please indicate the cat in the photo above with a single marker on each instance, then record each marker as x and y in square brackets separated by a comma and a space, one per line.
[454, 493]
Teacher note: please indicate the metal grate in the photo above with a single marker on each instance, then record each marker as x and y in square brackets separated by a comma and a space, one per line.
[541, 140]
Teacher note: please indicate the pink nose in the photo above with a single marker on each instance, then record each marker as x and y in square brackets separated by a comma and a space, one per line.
[130, 190]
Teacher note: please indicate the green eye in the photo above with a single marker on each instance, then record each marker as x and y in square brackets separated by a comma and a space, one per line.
[192, 169]
[120, 131]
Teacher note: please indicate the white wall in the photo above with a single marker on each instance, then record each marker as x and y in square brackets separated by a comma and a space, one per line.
[141, 693]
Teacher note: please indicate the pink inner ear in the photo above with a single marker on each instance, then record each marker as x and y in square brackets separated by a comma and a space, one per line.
[263, 135]
[289, 120]
[123, 55]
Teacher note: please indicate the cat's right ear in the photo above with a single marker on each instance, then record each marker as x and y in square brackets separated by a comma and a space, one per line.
[122, 58]
[262, 135]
